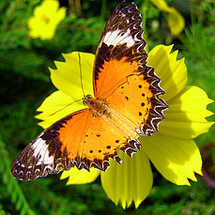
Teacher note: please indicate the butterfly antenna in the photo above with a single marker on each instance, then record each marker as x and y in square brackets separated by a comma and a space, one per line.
[65, 107]
[82, 87]
[81, 75]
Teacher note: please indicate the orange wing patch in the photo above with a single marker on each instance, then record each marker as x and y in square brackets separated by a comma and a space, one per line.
[112, 74]
[49, 152]
[90, 140]
[137, 100]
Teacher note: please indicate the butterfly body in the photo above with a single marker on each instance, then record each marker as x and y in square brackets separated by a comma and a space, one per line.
[125, 106]
[97, 106]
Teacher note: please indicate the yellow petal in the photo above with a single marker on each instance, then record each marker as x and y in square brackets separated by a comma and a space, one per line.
[186, 115]
[172, 72]
[57, 106]
[161, 5]
[60, 15]
[175, 21]
[77, 176]
[73, 86]
[130, 181]
[175, 159]
[74, 76]
[50, 7]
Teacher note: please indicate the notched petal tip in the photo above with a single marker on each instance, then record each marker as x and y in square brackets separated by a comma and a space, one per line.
[186, 117]
[176, 159]
[171, 71]
[129, 182]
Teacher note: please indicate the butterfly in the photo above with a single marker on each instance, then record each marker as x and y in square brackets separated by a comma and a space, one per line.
[125, 106]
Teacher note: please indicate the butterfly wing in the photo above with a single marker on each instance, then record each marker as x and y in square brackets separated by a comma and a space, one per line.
[48, 152]
[85, 140]
[79, 139]
[121, 50]
[121, 75]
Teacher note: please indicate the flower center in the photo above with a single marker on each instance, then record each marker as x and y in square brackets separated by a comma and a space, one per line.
[44, 18]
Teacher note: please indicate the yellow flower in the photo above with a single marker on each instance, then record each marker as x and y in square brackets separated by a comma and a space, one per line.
[175, 20]
[171, 149]
[45, 20]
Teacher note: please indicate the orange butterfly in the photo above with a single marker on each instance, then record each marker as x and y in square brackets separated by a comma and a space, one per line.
[125, 105]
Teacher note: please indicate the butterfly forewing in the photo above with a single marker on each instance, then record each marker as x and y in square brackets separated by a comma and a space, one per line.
[121, 74]
[121, 44]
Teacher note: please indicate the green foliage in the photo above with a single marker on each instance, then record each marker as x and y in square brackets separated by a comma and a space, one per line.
[12, 185]
[25, 82]
[199, 41]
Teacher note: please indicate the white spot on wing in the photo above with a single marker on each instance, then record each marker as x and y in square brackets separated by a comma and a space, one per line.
[41, 151]
[116, 38]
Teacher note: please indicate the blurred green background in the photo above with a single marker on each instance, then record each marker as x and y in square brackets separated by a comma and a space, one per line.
[25, 82]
